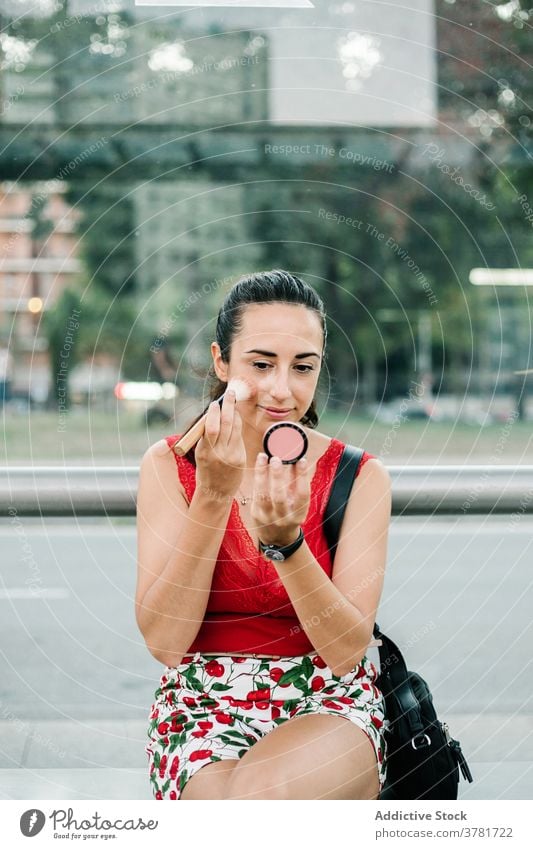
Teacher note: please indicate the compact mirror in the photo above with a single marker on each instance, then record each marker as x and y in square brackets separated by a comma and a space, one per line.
[286, 440]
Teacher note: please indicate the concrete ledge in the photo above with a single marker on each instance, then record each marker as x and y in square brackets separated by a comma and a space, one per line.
[509, 780]
[67, 744]
[75, 784]
[496, 780]
[105, 759]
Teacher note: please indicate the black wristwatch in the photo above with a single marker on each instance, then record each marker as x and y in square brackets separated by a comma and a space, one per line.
[281, 552]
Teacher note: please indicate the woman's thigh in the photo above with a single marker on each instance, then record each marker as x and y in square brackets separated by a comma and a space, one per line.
[308, 757]
[209, 714]
[210, 782]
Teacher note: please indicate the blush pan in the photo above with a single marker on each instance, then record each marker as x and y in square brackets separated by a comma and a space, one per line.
[286, 440]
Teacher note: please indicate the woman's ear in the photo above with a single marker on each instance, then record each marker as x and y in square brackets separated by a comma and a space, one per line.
[219, 366]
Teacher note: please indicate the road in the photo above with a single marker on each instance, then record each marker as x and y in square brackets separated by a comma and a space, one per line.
[77, 680]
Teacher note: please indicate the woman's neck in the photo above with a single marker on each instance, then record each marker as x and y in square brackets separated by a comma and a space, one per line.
[253, 442]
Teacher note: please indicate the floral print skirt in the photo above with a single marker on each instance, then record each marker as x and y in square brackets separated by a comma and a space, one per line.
[212, 708]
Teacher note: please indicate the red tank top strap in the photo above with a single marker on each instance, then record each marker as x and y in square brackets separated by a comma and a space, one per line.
[366, 456]
[186, 470]
[328, 463]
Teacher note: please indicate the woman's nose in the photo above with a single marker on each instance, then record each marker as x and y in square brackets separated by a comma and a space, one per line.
[279, 388]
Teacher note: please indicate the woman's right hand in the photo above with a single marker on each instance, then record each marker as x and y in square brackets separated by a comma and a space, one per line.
[221, 454]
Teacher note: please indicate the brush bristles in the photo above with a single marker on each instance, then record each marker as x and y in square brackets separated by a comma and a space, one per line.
[243, 390]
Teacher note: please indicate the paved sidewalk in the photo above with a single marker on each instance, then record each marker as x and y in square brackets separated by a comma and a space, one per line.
[105, 759]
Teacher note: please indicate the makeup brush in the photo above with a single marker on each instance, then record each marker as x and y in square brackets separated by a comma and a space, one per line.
[243, 392]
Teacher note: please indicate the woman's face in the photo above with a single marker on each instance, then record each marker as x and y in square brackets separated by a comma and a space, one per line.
[279, 351]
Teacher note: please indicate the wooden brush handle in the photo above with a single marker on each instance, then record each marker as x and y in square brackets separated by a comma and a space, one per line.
[190, 438]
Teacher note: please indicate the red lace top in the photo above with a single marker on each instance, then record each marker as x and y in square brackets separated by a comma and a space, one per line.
[249, 610]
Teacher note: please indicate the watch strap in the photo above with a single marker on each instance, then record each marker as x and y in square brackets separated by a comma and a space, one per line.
[283, 550]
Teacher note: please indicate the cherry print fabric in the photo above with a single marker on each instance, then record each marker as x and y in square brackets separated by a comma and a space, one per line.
[212, 708]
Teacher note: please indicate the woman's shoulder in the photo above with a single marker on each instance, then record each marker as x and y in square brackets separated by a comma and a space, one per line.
[164, 463]
[163, 447]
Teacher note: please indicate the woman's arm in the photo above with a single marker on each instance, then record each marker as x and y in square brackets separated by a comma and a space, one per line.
[177, 549]
[338, 614]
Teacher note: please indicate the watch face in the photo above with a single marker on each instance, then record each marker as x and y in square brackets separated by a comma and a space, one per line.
[274, 555]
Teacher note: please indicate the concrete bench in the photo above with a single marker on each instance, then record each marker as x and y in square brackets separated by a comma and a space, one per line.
[105, 759]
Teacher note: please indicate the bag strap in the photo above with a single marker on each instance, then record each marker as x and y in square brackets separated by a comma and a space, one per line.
[340, 491]
[391, 659]
[393, 667]
[343, 483]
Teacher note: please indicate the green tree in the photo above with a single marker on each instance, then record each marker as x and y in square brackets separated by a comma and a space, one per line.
[56, 323]
[106, 230]
[111, 326]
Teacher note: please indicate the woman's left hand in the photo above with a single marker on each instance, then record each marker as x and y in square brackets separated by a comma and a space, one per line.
[280, 499]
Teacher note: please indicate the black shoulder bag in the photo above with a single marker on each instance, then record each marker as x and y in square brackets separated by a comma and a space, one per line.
[423, 760]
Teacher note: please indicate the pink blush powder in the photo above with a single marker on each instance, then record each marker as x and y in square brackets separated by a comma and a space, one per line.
[286, 443]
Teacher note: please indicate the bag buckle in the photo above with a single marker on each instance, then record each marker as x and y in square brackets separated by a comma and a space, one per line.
[420, 741]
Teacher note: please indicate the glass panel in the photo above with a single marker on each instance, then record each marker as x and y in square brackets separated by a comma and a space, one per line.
[154, 153]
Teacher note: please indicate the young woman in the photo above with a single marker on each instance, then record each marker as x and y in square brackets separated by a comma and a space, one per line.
[267, 691]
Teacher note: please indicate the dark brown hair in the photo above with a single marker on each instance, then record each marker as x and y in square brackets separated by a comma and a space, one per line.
[262, 287]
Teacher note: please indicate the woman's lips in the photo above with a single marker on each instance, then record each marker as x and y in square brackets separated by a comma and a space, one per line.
[277, 414]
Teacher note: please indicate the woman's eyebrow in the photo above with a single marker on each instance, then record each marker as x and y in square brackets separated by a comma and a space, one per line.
[272, 354]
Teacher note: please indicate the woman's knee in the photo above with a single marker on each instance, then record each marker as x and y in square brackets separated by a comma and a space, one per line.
[257, 781]
[369, 787]
[210, 782]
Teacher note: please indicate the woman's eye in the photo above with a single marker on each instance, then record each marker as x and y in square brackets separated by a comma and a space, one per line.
[303, 369]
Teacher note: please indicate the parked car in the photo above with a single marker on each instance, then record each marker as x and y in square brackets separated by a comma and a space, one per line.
[141, 395]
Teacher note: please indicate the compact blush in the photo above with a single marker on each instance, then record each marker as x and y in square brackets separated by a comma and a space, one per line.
[286, 440]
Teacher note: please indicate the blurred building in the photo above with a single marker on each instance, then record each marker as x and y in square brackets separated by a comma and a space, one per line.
[38, 258]
[192, 241]
[108, 73]
[147, 76]
[205, 118]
